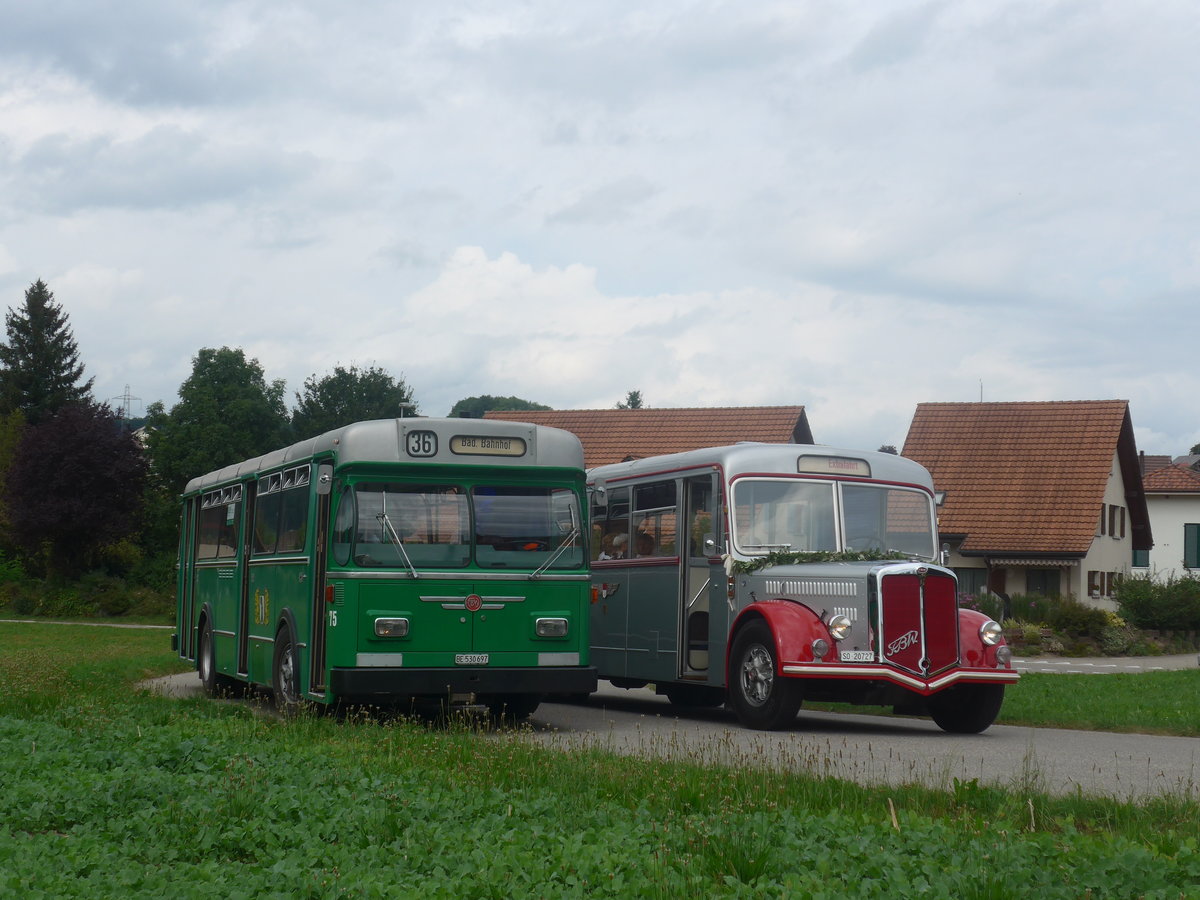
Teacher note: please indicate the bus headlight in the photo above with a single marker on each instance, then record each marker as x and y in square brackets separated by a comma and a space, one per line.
[991, 633]
[550, 628]
[391, 628]
[839, 627]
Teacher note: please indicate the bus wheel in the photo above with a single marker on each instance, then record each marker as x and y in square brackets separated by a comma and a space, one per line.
[512, 707]
[214, 682]
[285, 672]
[694, 695]
[966, 708]
[758, 695]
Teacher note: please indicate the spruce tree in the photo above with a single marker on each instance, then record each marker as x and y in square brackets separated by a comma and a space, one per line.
[40, 371]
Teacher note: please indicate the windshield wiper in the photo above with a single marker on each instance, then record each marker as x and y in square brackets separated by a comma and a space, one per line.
[557, 553]
[387, 523]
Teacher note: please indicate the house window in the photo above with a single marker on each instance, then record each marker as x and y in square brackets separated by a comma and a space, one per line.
[972, 582]
[1043, 581]
[1191, 546]
[1103, 517]
[1093, 583]
[1141, 559]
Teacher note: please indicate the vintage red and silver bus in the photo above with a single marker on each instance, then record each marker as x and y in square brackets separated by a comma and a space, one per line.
[764, 574]
[437, 559]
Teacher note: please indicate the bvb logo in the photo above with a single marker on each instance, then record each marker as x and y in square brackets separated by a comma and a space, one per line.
[262, 607]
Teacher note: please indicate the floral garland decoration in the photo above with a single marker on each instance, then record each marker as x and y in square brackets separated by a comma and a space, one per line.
[797, 557]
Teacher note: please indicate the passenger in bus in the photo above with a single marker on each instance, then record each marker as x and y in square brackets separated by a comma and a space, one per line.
[644, 544]
[614, 546]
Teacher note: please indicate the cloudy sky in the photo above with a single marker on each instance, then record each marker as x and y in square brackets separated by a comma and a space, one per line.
[854, 206]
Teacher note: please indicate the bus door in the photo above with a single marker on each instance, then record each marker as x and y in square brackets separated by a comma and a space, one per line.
[243, 578]
[186, 615]
[320, 546]
[698, 543]
[657, 546]
[609, 622]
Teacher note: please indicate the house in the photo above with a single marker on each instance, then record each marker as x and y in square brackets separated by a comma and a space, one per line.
[1173, 500]
[1037, 498]
[616, 435]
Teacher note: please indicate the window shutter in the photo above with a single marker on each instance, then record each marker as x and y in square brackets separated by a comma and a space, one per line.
[1191, 546]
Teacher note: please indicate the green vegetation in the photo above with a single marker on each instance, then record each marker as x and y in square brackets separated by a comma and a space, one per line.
[1172, 603]
[110, 791]
[1145, 703]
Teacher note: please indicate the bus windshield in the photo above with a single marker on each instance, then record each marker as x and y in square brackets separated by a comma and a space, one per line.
[785, 515]
[773, 515]
[882, 518]
[382, 524]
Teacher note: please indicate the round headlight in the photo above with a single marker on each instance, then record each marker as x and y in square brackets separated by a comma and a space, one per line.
[839, 627]
[991, 633]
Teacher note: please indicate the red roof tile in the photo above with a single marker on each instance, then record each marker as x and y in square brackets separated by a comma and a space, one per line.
[1177, 478]
[1025, 477]
[613, 435]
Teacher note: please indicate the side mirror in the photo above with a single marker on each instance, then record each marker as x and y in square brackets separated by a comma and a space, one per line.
[324, 478]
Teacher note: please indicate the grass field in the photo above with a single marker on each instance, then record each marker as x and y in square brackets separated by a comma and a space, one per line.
[111, 792]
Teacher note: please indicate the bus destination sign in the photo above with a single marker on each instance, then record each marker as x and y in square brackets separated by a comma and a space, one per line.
[479, 445]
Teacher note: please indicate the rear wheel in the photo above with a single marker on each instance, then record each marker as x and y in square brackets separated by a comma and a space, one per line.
[694, 695]
[760, 697]
[286, 672]
[966, 708]
[512, 707]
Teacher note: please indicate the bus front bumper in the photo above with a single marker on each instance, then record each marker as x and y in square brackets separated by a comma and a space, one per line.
[398, 682]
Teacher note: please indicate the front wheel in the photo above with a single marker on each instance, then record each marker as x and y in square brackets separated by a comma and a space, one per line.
[761, 698]
[286, 673]
[213, 682]
[966, 708]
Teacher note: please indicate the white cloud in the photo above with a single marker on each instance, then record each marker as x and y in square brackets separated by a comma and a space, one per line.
[856, 210]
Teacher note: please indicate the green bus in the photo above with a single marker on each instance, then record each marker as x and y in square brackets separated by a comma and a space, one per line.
[392, 561]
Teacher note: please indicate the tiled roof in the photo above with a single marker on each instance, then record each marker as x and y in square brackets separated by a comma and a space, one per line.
[1150, 462]
[1026, 477]
[613, 435]
[1173, 479]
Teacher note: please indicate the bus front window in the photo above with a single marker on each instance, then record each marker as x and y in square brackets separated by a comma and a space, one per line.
[888, 519]
[399, 523]
[773, 515]
[527, 527]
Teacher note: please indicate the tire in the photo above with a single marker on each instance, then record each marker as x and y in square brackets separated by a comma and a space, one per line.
[761, 698]
[214, 683]
[966, 708]
[512, 707]
[285, 673]
[695, 696]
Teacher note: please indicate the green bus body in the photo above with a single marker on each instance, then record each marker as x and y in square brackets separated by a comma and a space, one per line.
[443, 559]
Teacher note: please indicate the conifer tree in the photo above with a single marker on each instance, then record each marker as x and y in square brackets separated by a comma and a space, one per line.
[40, 371]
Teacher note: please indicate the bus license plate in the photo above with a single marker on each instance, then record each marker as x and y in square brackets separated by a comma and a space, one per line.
[470, 659]
[856, 656]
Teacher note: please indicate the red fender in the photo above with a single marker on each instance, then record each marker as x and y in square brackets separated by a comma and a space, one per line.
[975, 653]
[794, 627]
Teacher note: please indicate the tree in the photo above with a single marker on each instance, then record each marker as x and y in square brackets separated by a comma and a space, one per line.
[475, 407]
[74, 486]
[40, 370]
[633, 400]
[349, 395]
[226, 412]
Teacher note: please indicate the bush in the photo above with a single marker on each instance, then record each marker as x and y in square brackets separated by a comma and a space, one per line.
[1172, 604]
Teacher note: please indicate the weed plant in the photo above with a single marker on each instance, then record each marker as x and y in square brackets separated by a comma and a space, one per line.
[114, 792]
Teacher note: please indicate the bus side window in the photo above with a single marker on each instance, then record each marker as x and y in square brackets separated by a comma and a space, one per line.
[613, 522]
[344, 527]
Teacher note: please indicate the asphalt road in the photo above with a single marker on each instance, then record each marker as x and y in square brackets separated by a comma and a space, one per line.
[869, 750]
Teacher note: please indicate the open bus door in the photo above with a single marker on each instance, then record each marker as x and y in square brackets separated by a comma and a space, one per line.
[316, 656]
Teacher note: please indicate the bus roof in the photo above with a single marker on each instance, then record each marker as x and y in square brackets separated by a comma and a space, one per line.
[416, 440]
[783, 459]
